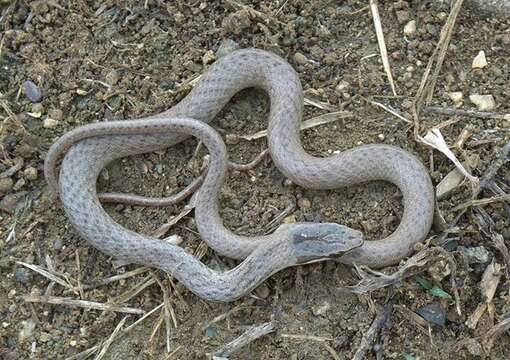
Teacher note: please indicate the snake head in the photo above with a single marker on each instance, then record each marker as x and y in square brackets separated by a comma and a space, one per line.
[320, 241]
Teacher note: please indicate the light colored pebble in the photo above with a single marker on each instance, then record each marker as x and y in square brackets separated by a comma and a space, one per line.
[304, 203]
[208, 57]
[483, 102]
[410, 28]
[30, 173]
[6, 185]
[381, 137]
[342, 87]
[226, 47]
[300, 58]
[456, 96]
[49, 123]
[479, 62]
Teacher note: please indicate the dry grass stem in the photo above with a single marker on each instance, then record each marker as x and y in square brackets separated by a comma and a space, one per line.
[247, 337]
[390, 110]
[95, 348]
[427, 84]
[135, 290]
[482, 202]
[115, 278]
[56, 300]
[469, 113]
[306, 337]
[382, 44]
[307, 124]
[48, 275]
[111, 338]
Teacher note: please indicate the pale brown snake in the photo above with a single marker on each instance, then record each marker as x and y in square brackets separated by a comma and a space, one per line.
[88, 149]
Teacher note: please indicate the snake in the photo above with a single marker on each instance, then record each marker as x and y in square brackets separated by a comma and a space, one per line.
[86, 150]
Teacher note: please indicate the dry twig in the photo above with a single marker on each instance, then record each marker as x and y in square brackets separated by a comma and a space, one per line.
[382, 44]
[247, 337]
[56, 300]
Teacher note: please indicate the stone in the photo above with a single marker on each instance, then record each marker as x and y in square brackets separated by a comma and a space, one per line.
[476, 255]
[403, 16]
[227, 46]
[30, 173]
[300, 58]
[49, 123]
[23, 276]
[32, 91]
[479, 62]
[433, 313]
[483, 102]
[410, 28]
[6, 185]
[456, 97]
[304, 203]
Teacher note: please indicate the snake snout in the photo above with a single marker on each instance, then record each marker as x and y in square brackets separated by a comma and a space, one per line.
[314, 241]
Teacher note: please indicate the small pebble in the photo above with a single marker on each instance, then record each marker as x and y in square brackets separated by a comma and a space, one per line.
[211, 331]
[27, 330]
[58, 244]
[112, 77]
[32, 91]
[342, 87]
[410, 28]
[300, 58]
[381, 137]
[321, 309]
[403, 16]
[456, 97]
[30, 173]
[208, 57]
[37, 110]
[6, 185]
[23, 276]
[483, 102]
[49, 123]
[262, 291]
[227, 46]
[476, 255]
[433, 313]
[479, 62]
[304, 203]
[56, 114]
[474, 347]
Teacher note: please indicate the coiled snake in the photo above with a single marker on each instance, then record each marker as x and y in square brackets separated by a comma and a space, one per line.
[90, 148]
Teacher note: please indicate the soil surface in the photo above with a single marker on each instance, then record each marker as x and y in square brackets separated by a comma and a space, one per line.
[96, 61]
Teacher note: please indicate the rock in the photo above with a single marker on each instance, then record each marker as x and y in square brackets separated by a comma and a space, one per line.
[49, 123]
[381, 137]
[483, 102]
[211, 331]
[37, 110]
[262, 291]
[227, 46]
[300, 58]
[410, 28]
[56, 114]
[27, 330]
[58, 244]
[208, 57]
[439, 270]
[433, 313]
[342, 87]
[474, 347]
[32, 91]
[476, 255]
[23, 276]
[479, 62]
[304, 203]
[503, 38]
[321, 309]
[112, 77]
[403, 16]
[11, 201]
[30, 173]
[6, 185]
[456, 97]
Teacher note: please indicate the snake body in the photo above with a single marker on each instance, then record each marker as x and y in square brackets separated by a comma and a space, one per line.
[91, 147]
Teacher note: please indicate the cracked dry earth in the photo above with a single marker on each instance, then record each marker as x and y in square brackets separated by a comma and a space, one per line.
[96, 61]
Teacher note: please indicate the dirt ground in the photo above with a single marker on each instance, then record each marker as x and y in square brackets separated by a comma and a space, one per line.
[95, 61]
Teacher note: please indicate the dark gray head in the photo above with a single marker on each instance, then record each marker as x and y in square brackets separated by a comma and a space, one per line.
[314, 241]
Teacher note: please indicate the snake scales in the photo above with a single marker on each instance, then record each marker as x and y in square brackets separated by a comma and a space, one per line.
[90, 148]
